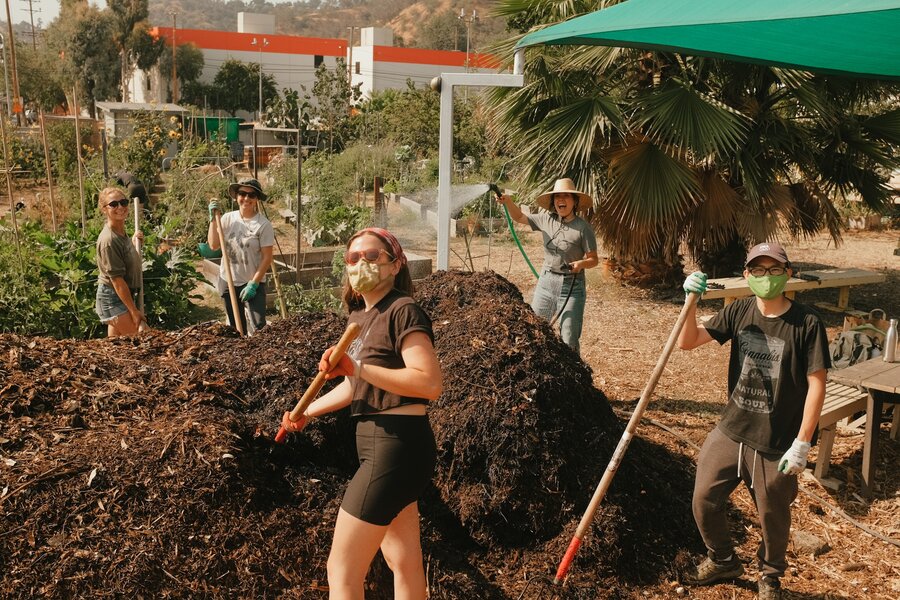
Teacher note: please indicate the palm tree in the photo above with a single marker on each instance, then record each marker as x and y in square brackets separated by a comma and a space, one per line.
[688, 152]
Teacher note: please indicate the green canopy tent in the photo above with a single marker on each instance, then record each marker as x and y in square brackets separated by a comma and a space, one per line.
[846, 37]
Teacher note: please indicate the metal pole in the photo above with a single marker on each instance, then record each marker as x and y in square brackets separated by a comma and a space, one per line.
[299, 190]
[6, 76]
[104, 149]
[49, 170]
[255, 157]
[78, 155]
[445, 172]
[174, 69]
[9, 192]
[17, 104]
[259, 109]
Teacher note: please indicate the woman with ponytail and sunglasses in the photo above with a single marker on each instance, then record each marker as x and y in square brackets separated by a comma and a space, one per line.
[120, 268]
[390, 373]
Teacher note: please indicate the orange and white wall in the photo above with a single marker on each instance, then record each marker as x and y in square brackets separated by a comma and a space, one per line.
[292, 60]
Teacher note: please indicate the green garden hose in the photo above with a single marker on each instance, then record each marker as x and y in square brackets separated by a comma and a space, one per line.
[512, 230]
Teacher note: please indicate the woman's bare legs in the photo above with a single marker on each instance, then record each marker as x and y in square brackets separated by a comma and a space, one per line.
[121, 325]
[355, 544]
[352, 550]
[402, 550]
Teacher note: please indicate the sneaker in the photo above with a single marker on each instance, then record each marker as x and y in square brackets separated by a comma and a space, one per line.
[710, 571]
[769, 589]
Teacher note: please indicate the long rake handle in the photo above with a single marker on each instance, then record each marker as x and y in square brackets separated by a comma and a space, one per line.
[313, 390]
[228, 277]
[624, 441]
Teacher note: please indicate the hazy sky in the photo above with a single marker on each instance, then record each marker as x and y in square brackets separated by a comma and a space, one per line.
[49, 10]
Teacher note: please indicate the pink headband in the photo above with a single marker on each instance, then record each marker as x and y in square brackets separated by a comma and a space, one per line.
[387, 237]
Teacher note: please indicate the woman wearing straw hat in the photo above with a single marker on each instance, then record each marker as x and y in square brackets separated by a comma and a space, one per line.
[570, 247]
[249, 238]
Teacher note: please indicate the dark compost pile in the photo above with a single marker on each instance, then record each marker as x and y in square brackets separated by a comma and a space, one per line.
[145, 466]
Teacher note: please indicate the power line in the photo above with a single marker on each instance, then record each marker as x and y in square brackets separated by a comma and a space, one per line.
[31, 10]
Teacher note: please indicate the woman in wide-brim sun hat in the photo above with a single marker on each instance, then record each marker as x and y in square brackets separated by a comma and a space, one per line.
[249, 240]
[570, 247]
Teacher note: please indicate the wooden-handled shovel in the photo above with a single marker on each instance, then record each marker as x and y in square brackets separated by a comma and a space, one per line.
[227, 263]
[619, 453]
[313, 390]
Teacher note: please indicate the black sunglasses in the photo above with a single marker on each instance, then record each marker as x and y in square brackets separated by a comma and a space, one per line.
[251, 195]
[760, 271]
[118, 203]
[371, 255]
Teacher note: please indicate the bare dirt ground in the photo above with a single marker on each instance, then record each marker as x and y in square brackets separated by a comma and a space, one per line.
[625, 331]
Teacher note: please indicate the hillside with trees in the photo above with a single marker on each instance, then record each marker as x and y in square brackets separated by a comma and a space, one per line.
[422, 23]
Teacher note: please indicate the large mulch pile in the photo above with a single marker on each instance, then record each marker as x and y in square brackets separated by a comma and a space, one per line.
[145, 466]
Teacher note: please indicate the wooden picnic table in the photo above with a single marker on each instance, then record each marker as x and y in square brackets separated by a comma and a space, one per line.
[881, 380]
[733, 288]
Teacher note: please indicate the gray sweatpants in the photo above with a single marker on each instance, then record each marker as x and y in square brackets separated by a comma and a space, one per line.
[718, 475]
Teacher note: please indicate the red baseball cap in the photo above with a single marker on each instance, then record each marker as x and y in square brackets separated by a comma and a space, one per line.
[770, 249]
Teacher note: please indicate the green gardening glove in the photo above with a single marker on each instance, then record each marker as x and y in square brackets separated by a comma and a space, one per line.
[249, 291]
[207, 252]
[695, 283]
[213, 207]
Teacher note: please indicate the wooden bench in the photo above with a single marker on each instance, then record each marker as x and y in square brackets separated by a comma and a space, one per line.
[732, 288]
[287, 214]
[841, 401]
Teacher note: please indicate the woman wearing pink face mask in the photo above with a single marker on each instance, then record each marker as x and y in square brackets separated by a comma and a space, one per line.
[390, 374]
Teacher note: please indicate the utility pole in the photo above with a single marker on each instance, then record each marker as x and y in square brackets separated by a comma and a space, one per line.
[9, 112]
[17, 100]
[350, 56]
[469, 21]
[260, 44]
[31, 11]
[174, 79]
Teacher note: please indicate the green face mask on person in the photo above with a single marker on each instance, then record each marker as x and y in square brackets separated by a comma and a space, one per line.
[767, 286]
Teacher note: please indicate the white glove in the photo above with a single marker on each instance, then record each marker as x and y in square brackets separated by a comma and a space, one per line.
[794, 460]
[695, 283]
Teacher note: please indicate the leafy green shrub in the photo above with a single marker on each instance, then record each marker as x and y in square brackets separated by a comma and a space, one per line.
[142, 152]
[52, 290]
[27, 156]
[329, 219]
[321, 296]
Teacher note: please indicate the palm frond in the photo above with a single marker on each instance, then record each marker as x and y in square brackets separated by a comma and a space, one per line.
[648, 194]
[680, 116]
[712, 223]
[884, 127]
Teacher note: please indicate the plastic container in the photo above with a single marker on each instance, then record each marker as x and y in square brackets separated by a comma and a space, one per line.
[890, 342]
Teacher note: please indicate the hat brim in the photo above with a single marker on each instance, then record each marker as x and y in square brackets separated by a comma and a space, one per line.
[584, 201]
[233, 188]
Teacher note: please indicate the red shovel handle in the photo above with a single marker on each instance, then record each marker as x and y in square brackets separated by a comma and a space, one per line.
[313, 390]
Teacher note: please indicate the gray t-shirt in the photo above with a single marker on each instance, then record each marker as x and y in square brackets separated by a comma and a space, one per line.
[563, 242]
[116, 257]
[244, 239]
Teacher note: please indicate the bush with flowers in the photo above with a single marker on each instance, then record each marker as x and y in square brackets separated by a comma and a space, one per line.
[141, 153]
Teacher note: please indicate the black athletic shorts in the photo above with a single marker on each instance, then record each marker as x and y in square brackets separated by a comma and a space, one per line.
[397, 456]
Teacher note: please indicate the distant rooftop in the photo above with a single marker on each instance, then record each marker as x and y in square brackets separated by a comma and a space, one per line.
[122, 106]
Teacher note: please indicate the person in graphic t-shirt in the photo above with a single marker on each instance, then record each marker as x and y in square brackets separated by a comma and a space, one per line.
[570, 247]
[390, 374]
[776, 388]
[249, 238]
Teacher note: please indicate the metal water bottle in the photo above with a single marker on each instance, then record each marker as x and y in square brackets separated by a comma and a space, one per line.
[890, 343]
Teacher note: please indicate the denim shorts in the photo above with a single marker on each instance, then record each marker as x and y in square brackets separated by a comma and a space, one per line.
[108, 305]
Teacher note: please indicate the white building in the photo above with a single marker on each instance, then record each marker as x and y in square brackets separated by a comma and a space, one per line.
[292, 60]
